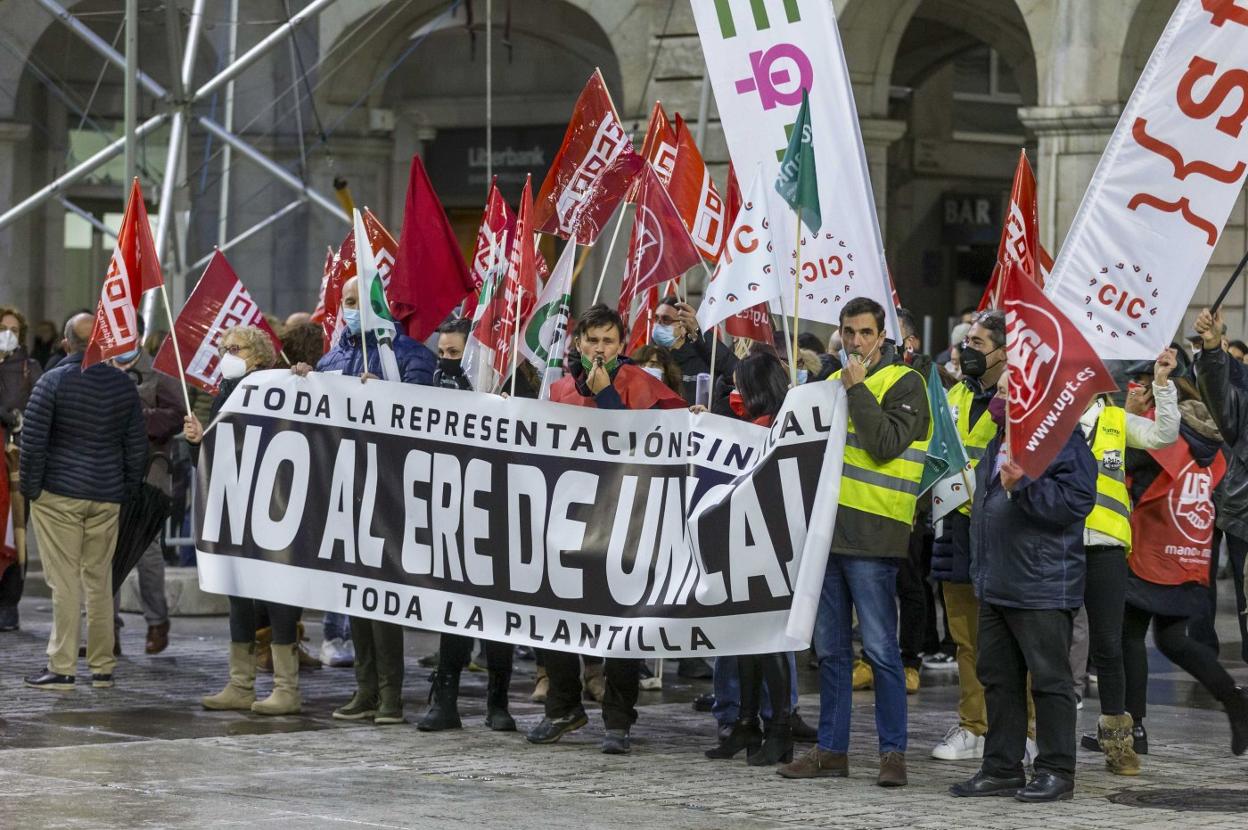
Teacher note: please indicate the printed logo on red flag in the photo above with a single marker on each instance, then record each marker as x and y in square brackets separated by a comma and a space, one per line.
[754, 323]
[1020, 236]
[219, 303]
[659, 148]
[1053, 374]
[696, 198]
[659, 248]
[591, 172]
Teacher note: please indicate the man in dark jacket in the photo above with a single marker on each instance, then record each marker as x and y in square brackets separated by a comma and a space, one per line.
[1027, 566]
[676, 329]
[84, 449]
[889, 427]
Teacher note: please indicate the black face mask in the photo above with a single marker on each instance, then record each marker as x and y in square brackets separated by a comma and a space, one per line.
[974, 362]
[449, 365]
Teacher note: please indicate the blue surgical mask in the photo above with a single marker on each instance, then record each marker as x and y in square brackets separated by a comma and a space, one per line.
[351, 319]
[127, 358]
[663, 334]
[803, 375]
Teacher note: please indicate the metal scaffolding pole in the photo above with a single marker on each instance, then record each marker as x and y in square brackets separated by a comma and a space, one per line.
[87, 216]
[247, 234]
[130, 99]
[231, 55]
[100, 45]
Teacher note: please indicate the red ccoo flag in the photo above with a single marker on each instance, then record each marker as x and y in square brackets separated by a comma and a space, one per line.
[1020, 236]
[659, 148]
[133, 269]
[492, 250]
[1053, 373]
[429, 277]
[592, 171]
[219, 303]
[697, 199]
[516, 290]
[659, 248]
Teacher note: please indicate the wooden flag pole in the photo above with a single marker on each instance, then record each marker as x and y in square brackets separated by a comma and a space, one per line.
[580, 263]
[515, 343]
[797, 298]
[177, 351]
[364, 348]
[607, 262]
[714, 344]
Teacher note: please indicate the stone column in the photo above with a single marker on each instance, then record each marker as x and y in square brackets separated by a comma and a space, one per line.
[878, 135]
[16, 243]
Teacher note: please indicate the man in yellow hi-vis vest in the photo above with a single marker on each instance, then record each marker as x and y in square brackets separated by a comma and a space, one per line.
[889, 427]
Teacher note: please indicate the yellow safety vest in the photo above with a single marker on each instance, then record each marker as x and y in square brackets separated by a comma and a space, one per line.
[975, 439]
[1112, 514]
[889, 489]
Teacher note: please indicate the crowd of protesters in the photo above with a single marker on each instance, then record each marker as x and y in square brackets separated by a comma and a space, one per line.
[1038, 582]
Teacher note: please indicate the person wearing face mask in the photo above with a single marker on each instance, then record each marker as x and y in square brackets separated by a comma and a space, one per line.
[676, 329]
[1027, 566]
[84, 451]
[243, 350]
[657, 362]
[886, 448]
[604, 380]
[452, 339]
[18, 376]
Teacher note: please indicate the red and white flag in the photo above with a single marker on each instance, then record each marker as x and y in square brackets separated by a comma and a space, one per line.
[1020, 235]
[133, 270]
[747, 273]
[696, 198]
[659, 248]
[591, 172]
[492, 249]
[342, 268]
[659, 148]
[1053, 373]
[218, 303]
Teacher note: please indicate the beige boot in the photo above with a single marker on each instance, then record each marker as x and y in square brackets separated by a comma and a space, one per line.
[1115, 738]
[240, 692]
[541, 686]
[285, 698]
[595, 681]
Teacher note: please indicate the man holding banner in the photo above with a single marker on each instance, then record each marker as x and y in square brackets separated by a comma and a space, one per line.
[886, 448]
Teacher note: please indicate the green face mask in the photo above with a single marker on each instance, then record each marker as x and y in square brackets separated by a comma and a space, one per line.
[587, 364]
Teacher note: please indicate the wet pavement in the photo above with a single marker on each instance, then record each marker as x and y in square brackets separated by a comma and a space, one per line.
[145, 754]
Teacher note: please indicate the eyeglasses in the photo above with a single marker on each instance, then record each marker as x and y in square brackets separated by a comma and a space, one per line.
[234, 350]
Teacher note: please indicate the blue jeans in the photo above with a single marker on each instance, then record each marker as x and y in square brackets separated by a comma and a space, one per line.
[870, 585]
[336, 626]
[727, 690]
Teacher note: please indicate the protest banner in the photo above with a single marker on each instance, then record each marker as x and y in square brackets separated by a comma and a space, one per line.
[650, 533]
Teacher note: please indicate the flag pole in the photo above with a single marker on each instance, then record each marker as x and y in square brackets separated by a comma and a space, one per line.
[515, 343]
[1239, 269]
[580, 263]
[177, 351]
[607, 262]
[714, 345]
[797, 298]
[364, 349]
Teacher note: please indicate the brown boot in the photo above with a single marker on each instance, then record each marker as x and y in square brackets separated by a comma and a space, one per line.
[264, 650]
[541, 686]
[157, 638]
[1114, 734]
[817, 764]
[306, 660]
[892, 770]
[595, 681]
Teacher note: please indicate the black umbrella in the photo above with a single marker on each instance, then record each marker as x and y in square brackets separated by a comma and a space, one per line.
[139, 523]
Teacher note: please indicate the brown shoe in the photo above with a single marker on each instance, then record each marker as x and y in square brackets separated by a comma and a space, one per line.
[892, 770]
[817, 763]
[157, 638]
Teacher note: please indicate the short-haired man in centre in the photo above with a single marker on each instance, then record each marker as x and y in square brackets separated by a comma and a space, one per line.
[885, 450]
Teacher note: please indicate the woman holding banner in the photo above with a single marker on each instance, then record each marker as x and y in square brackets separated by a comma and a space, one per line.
[246, 349]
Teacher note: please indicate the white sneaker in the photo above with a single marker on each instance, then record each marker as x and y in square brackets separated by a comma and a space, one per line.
[959, 745]
[1033, 749]
[337, 653]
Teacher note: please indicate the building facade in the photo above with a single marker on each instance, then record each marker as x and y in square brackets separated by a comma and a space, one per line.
[947, 91]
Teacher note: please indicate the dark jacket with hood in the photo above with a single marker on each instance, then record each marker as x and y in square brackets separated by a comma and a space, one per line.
[416, 362]
[1228, 404]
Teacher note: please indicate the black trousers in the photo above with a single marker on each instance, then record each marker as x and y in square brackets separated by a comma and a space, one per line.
[619, 703]
[914, 600]
[455, 649]
[1013, 642]
[755, 669]
[244, 616]
[1200, 626]
[1170, 634]
[1237, 548]
[1104, 596]
[11, 582]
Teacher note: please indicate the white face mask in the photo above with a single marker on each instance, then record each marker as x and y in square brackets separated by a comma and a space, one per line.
[8, 341]
[653, 371]
[232, 366]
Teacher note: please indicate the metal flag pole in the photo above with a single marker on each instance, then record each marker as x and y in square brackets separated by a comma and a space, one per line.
[1226, 289]
[797, 298]
[606, 263]
[515, 342]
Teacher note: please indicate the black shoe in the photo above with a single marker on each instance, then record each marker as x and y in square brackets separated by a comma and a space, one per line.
[616, 742]
[777, 747]
[744, 734]
[981, 784]
[693, 668]
[1237, 710]
[429, 661]
[801, 730]
[704, 702]
[1047, 786]
[496, 715]
[8, 618]
[443, 710]
[1139, 740]
[551, 730]
[101, 681]
[48, 679]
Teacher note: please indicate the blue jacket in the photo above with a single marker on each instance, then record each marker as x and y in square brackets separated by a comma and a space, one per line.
[83, 434]
[416, 363]
[1027, 547]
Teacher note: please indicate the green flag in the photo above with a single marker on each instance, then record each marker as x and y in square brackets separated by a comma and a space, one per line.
[946, 457]
[798, 183]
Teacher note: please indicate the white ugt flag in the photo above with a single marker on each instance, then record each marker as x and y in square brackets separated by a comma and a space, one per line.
[746, 274]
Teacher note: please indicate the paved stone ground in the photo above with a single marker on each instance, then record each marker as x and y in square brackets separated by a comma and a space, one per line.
[144, 755]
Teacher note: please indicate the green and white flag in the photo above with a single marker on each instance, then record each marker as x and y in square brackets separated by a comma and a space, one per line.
[546, 335]
[797, 182]
[948, 469]
[375, 316]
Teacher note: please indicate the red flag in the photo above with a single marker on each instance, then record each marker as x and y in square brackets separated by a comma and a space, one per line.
[318, 314]
[430, 277]
[754, 323]
[341, 270]
[133, 269]
[1053, 373]
[219, 303]
[1020, 236]
[591, 172]
[659, 248]
[733, 198]
[696, 198]
[492, 250]
[643, 323]
[659, 148]
[497, 326]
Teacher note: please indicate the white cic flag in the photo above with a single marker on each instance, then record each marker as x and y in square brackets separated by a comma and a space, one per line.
[747, 273]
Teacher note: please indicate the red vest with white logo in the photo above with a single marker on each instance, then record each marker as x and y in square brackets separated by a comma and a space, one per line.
[1172, 523]
[636, 388]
